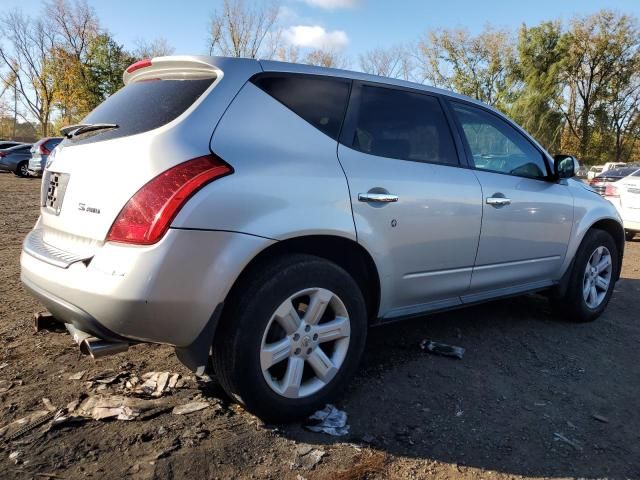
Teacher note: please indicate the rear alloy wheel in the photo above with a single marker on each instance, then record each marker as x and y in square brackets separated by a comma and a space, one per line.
[291, 337]
[592, 278]
[23, 169]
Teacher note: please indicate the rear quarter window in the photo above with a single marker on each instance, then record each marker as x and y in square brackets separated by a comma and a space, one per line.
[142, 106]
[321, 101]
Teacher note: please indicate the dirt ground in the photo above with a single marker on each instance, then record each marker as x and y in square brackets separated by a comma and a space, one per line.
[533, 397]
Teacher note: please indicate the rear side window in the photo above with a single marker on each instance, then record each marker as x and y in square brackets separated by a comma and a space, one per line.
[52, 143]
[142, 106]
[321, 101]
[404, 125]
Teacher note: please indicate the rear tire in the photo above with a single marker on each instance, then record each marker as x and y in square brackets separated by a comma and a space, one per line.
[284, 363]
[629, 236]
[22, 170]
[592, 278]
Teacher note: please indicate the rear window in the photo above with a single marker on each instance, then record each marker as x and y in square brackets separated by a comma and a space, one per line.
[321, 101]
[142, 106]
[403, 125]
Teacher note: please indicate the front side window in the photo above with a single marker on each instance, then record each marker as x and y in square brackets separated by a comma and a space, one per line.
[321, 101]
[497, 146]
[404, 125]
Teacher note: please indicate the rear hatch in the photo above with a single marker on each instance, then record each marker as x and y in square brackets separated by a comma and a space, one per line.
[164, 117]
[629, 190]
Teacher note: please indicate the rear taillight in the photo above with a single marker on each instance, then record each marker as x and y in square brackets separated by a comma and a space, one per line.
[611, 191]
[44, 150]
[147, 215]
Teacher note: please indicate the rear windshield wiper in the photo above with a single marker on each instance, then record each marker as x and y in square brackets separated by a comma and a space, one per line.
[71, 131]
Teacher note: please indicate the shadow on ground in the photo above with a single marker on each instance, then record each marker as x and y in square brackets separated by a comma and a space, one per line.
[533, 395]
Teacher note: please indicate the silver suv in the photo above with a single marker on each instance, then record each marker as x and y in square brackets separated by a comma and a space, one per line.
[264, 214]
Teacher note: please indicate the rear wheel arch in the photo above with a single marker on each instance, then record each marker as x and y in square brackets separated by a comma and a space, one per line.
[346, 253]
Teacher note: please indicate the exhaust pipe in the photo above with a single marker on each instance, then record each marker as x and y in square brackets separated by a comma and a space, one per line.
[95, 347]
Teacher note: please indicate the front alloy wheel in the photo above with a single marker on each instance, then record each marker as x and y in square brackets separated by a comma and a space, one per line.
[597, 277]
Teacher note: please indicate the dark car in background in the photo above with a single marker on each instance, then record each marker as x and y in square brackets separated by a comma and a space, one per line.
[4, 144]
[40, 153]
[605, 179]
[16, 159]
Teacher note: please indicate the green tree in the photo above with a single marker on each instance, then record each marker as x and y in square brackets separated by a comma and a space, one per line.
[537, 90]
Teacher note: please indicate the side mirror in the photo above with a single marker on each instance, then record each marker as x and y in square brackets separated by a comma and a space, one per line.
[565, 166]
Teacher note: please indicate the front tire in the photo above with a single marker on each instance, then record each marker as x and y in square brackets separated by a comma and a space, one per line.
[292, 337]
[592, 278]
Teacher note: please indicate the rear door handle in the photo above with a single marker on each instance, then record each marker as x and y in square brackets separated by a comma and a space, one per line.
[377, 197]
[498, 201]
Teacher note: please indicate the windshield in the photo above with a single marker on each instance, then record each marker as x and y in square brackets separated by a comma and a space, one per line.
[142, 106]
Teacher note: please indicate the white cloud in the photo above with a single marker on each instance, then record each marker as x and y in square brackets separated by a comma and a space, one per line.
[315, 36]
[331, 4]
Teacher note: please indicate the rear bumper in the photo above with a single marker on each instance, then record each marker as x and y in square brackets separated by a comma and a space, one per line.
[35, 166]
[164, 293]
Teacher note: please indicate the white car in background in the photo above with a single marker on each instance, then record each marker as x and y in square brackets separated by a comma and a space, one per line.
[625, 195]
[594, 171]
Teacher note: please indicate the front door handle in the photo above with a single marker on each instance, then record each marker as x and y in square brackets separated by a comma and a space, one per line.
[377, 197]
[498, 201]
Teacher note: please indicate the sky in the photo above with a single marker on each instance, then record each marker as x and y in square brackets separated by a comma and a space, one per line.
[352, 26]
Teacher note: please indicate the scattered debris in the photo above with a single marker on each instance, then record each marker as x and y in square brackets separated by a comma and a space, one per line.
[102, 407]
[48, 405]
[442, 349]
[561, 437]
[329, 420]
[15, 457]
[190, 408]
[600, 418]
[307, 457]
[25, 424]
[78, 375]
[5, 386]
[165, 453]
[3, 365]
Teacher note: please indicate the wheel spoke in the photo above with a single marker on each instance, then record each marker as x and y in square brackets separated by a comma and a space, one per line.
[317, 306]
[322, 365]
[602, 283]
[288, 317]
[293, 377]
[603, 264]
[333, 330]
[593, 295]
[595, 258]
[275, 353]
[586, 289]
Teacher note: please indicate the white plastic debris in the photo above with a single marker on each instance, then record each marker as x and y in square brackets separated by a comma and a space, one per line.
[329, 420]
[307, 457]
[78, 375]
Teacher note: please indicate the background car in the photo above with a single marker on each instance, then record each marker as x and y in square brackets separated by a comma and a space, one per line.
[40, 153]
[602, 181]
[16, 160]
[4, 144]
[625, 195]
[613, 165]
[594, 172]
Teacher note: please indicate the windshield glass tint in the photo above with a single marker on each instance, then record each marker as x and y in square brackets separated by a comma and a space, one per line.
[142, 106]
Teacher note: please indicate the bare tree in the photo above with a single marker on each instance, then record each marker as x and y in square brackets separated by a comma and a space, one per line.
[477, 66]
[243, 31]
[29, 63]
[158, 47]
[327, 58]
[394, 62]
